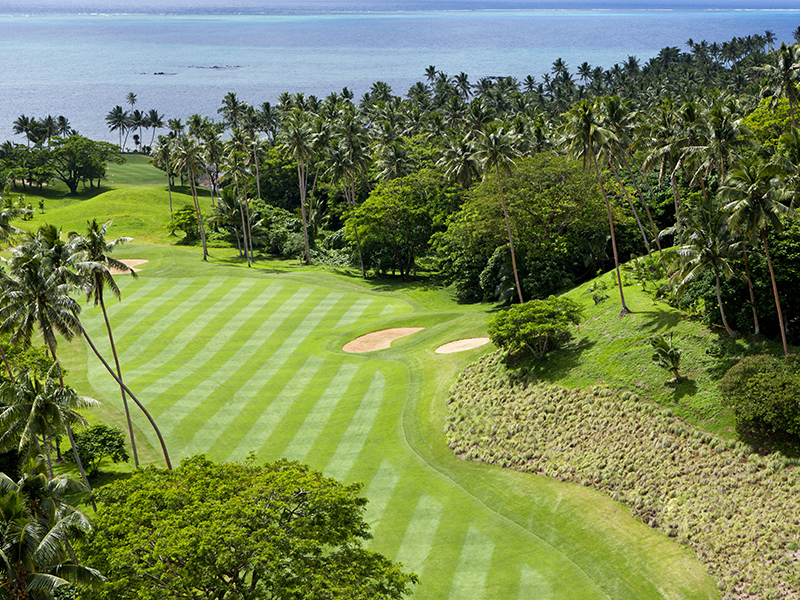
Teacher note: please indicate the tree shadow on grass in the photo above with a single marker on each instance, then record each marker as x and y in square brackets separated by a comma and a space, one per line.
[556, 365]
[765, 443]
[659, 320]
[686, 387]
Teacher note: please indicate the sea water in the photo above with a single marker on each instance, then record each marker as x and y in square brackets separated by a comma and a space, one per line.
[63, 60]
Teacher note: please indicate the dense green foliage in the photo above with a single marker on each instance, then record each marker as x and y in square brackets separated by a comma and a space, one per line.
[534, 328]
[557, 219]
[237, 531]
[99, 442]
[738, 510]
[763, 392]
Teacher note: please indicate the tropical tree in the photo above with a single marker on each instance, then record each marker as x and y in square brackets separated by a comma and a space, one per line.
[496, 149]
[296, 140]
[35, 412]
[94, 269]
[156, 121]
[189, 157]
[755, 202]
[780, 79]
[582, 137]
[36, 526]
[708, 244]
[162, 157]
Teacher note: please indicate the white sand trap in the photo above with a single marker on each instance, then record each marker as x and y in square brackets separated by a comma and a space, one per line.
[379, 340]
[461, 345]
[131, 262]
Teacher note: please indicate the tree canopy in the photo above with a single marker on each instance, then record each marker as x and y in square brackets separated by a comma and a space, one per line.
[237, 531]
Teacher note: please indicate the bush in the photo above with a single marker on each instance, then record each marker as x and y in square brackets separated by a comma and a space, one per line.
[99, 442]
[763, 392]
[534, 327]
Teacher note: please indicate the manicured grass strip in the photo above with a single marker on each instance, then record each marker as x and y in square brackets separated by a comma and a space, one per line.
[194, 324]
[356, 435]
[473, 568]
[354, 312]
[174, 322]
[420, 534]
[380, 491]
[211, 380]
[533, 585]
[318, 418]
[300, 397]
[264, 424]
[214, 427]
[153, 306]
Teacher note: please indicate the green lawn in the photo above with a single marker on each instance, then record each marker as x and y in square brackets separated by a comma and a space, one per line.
[233, 360]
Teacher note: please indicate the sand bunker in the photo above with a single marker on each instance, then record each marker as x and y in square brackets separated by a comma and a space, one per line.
[131, 262]
[461, 345]
[379, 340]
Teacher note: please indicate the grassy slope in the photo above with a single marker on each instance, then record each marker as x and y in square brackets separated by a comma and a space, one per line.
[232, 360]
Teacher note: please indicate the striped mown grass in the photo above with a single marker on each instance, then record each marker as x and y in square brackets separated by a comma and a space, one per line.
[233, 360]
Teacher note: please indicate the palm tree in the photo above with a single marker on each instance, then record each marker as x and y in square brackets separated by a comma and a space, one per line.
[459, 162]
[708, 243]
[64, 128]
[231, 109]
[23, 126]
[497, 148]
[296, 141]
[582, 138]
[755, 204]
[33, 409]
[189, 157]
[781, 78]
[35, 556]
[93, 269]
[156, 122]
[35, 292]
[162, 158]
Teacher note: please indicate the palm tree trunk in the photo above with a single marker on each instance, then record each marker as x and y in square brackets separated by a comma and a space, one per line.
[677, 199]
[119, 373]
[633, 208]
[644, 202]
[8, 367]
[625, 309]
[301, 178]
[69, 434]
[169, 191]
[731, 332]
[775, 293]
[757, 328]
[124, 387]
[510, 238]
[198, 213]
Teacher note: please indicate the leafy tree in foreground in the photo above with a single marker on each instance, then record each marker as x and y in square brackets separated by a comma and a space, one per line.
[237, 531]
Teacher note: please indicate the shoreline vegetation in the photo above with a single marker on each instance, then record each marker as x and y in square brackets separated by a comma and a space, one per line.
[616, 226]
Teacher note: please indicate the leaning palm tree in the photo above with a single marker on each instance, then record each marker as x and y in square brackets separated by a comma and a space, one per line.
[756, 203]
[496, 148]
[189, 158]
[708, 243]
[35, 295]
[583, 137]
[94, 270]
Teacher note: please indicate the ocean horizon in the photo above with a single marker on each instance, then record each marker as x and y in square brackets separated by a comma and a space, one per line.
[80, 62]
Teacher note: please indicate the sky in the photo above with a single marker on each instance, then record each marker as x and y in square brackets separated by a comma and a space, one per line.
[260, 6]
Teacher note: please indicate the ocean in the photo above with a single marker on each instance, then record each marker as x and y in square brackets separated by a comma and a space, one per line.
[79, 59]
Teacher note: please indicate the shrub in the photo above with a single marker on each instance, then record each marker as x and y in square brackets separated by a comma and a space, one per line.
[99, 442]
[763, 392]
[534, 327]
[666, 355]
